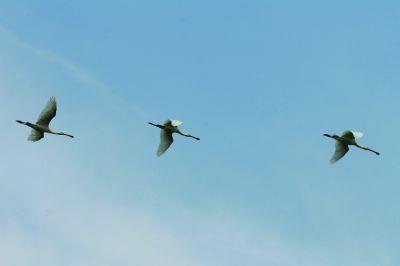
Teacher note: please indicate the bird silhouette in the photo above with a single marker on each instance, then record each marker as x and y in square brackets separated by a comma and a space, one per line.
[343, 142]
[167, 129]
[42, 124]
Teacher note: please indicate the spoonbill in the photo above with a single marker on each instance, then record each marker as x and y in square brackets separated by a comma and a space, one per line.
[166, 139]
[344, 141]
[42, 124]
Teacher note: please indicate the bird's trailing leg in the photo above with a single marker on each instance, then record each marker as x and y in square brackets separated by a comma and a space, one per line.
[336, 137]
[157, 125]
[24, 123]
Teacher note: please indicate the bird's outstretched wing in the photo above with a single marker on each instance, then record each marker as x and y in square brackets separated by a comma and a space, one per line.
[165, 141]
[48, 113]
[340, 150]
[352, 135]
[357, 134]
[173, 123]
[35, 135]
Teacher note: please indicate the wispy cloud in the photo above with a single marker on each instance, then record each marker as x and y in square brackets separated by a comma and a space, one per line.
[78, 73]
[84, 229]
[50, 218]
[91, 235]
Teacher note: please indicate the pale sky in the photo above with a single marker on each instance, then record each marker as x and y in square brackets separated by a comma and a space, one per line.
[258, 81]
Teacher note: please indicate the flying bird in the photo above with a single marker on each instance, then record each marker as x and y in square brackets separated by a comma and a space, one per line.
[344, 141]
[166, 139]
[42, 124]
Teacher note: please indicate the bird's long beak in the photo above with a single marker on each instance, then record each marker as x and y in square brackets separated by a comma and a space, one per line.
[377, 153]
[64, 134]
[19, 121]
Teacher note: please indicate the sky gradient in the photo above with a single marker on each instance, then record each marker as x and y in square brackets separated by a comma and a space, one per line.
[258, 81]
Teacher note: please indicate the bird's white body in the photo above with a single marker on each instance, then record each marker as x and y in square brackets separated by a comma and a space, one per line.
[343, 142]
[42, 124]
[167, 129]
[41, 128]
[172, 125]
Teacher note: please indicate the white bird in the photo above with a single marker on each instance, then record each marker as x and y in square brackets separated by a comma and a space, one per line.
[169, 127]
[342, 144]
[42, 124]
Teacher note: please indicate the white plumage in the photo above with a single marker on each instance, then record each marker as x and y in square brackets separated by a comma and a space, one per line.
[342, 144]
[42, 123]
[167, 129]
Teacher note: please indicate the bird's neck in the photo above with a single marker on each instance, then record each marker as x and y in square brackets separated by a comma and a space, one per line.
[182, 133]
[186, 134]
[362, 147]
[366, 148]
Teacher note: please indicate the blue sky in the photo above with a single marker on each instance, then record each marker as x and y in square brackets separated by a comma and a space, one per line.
[258, 81]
